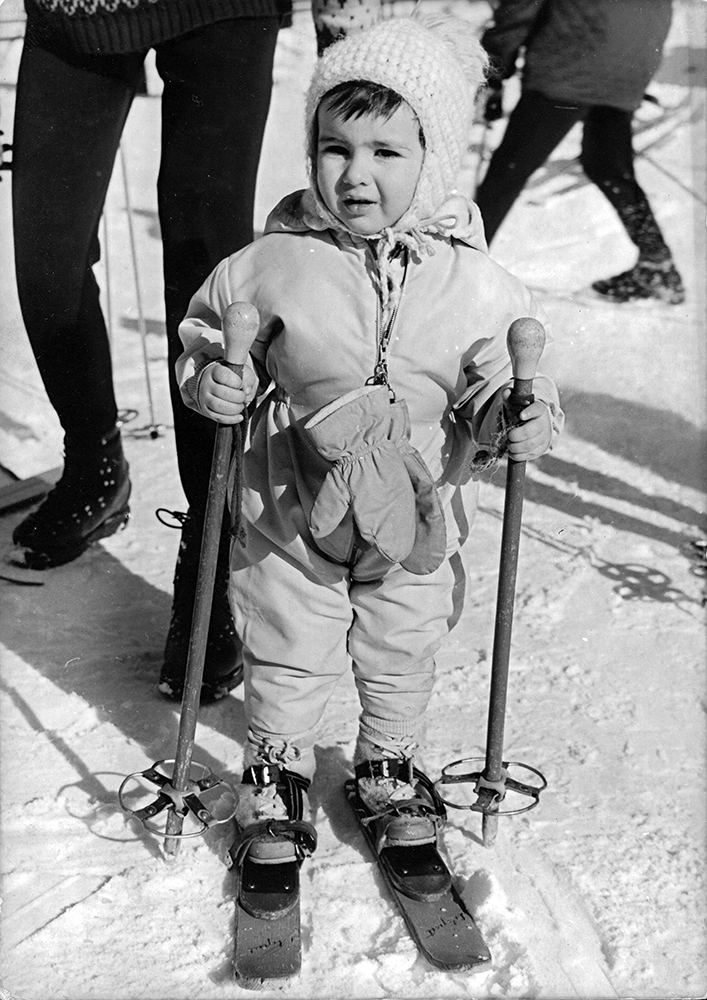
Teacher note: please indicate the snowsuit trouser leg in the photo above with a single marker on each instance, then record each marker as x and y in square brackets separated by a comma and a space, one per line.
[300, 624]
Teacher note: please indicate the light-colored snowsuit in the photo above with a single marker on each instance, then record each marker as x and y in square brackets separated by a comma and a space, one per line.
[304, 605]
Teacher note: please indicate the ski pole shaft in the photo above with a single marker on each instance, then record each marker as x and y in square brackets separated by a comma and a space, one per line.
[142, 328]
[239, 329]
[526, 339]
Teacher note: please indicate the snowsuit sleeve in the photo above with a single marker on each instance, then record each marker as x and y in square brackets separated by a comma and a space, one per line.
[488, 372]
[512, 24]
[200, 330]
[200, 333]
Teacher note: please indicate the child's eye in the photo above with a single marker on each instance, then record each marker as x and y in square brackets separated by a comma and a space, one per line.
[388, 154]
[332, 149]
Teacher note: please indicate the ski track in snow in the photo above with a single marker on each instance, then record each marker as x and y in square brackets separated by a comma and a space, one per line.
[600, 892]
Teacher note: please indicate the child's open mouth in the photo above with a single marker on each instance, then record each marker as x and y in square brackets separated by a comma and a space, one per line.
[357, 206]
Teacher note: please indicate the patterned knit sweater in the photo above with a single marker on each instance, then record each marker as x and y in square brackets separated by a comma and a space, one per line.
[118, 26]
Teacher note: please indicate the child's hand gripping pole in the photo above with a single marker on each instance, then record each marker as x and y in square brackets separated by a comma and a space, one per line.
[178, 792]
[526, 339]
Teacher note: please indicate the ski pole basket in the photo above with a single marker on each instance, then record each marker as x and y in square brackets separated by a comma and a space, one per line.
[187, 803]
[490, 794]
[526, 340]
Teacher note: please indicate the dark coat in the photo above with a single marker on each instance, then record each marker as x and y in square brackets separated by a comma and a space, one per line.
[581, 51]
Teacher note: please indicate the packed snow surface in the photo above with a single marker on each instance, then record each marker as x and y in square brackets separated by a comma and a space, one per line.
[599, 892]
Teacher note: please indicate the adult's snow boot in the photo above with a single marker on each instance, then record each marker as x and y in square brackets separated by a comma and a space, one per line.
[223, 664]
[89, 502]
[645, 280]
[654, 276]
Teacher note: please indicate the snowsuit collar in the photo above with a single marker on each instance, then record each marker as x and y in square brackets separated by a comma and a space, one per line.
[456, 218]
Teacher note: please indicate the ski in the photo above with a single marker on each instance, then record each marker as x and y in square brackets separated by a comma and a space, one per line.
[267, 939]
[444, 931]
[266, 949]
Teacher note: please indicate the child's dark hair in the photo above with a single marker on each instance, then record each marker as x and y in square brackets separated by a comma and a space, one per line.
[355, 98]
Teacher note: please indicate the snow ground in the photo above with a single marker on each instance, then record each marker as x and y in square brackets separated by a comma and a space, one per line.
[600, 892]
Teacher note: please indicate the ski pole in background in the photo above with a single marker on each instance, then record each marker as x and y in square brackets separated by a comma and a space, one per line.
[178, 791]
[481, 158]
[155, 429]
[490, 112]
[526, 340]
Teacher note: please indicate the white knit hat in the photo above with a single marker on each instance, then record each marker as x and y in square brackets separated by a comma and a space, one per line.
[436, 64]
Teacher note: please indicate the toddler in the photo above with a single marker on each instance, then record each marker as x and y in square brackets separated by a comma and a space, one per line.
[381, 366]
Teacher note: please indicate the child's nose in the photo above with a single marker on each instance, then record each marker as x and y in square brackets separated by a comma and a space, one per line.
[357, 171]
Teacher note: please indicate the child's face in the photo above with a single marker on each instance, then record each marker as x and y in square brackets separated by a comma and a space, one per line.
[368, 167]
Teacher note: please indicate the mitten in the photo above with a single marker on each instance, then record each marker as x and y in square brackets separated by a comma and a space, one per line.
[361, 434]
[430, 545]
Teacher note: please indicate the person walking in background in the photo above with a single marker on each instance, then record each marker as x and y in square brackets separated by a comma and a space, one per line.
[588, 62]
[81, 65]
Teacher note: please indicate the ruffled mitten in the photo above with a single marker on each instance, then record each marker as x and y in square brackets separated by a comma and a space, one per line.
[377, 474]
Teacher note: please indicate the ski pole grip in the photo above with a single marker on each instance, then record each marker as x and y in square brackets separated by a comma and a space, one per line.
[240, 328]
[526, 341]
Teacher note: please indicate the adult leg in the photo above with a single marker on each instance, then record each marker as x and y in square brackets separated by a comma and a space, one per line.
[69, 116]
[217, 87]
[535, 127]
[608, 160]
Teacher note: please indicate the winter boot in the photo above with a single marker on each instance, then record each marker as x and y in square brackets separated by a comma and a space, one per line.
[404, 811]
[89, 502]
[645, 280]
[654, 276]
[273, 839]
[223, 664]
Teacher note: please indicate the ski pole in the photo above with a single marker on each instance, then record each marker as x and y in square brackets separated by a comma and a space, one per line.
[526, 340]
[481, 158]
[239, 329]
[153, 427]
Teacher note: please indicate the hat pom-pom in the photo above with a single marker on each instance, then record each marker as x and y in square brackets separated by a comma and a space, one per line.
[461, 37]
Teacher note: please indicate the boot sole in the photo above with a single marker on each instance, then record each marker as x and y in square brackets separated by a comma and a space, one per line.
[59, 556]
[172, 688]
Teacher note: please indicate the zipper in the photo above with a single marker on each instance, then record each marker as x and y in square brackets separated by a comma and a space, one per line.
[380, 374]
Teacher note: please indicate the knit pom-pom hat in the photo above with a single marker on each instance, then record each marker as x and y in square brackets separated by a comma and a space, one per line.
[436, 64]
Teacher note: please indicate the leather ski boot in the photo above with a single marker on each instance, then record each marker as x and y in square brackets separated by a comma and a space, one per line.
[223, 664]
[89, 502]
[403, 815]
[273, 839]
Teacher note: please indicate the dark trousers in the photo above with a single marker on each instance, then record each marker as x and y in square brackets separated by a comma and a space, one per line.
[70, 113]
[535, 127]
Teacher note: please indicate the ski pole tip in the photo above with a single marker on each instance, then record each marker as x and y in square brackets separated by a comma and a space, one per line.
[526, 341]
